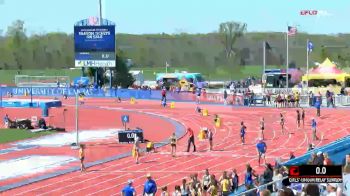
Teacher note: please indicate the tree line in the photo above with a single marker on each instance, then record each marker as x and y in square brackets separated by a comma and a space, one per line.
[230, 47]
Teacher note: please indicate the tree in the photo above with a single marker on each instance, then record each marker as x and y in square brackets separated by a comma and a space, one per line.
[16, 33]
[229, 32]
[121, 76]
[324, 53]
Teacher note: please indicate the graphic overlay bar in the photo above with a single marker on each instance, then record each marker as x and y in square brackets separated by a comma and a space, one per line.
[315, 174]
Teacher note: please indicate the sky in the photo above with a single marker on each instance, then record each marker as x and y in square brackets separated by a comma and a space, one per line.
[178, 16]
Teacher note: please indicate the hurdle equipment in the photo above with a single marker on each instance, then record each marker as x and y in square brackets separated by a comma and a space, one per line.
[217, 122]
[205, 112]
[132, 100]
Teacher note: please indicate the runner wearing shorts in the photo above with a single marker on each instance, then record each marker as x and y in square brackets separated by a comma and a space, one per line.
[243, 131]
[210, 139]
[262, 128]
[173, 140]
[261, 149]
[150, 147]
[137, 149]
[298, 119]
[82, 157]
[303, 116]
[282, 122]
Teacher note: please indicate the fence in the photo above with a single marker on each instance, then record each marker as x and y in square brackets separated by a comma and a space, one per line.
[215, 97]
[41, 81]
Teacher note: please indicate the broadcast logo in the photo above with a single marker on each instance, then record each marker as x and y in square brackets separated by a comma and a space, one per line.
[308, 12]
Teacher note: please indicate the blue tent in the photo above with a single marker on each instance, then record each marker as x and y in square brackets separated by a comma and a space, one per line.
[81, 81]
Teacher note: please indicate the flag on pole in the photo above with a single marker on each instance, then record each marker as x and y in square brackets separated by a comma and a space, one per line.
[310, 46]
[292, 31]
[267, 46]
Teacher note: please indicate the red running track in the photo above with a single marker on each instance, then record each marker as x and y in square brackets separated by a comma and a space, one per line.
[111, 177]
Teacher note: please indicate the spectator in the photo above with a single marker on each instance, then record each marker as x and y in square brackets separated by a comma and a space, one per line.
[327, 160]
[265, 193]
[312, 160]
[319, 158]
[291, 156]
[278, 163]
[225, 184]
[185, 190]
[311, 147]
[213, 189]
[277, 178]
[150, 187]
[234, 180]
[206, 180]
[268, 175]
[225, 97]
[285, 192]
[164, 191]
[195, 184]
[311, 189]
[347, 164]
[250, 173]
[177, 191]
[332, 189]
[129, 190]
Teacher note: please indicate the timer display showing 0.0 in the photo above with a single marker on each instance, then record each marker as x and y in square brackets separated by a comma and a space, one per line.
[314, 170]
[321, 170]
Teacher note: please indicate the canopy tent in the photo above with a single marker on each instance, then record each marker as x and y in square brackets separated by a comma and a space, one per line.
[326, 71]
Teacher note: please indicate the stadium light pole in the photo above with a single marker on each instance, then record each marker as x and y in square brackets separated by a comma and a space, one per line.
[31, 95]
[307, 66]
[76, 117]
[1, 96]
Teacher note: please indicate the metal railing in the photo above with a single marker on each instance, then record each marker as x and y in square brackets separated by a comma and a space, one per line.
[261, 187]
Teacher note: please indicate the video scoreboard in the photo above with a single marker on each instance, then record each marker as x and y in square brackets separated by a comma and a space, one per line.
[315, 174]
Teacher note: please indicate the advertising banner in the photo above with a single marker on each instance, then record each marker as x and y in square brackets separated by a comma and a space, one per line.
[94, 46]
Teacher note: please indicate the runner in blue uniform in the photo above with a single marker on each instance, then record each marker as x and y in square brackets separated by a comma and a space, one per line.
[243, 131]
[261, 149]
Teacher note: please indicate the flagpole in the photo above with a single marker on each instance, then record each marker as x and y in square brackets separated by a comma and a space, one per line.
[307, 65]
[264, 56]
[166, 67]
[287, 60]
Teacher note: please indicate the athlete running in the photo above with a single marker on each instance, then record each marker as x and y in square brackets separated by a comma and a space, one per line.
[243, 131]
[210, 139]
[136, 149]
[282, 121]
[303, 116]
[262, 128]
[298, 119]
[173, 140]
